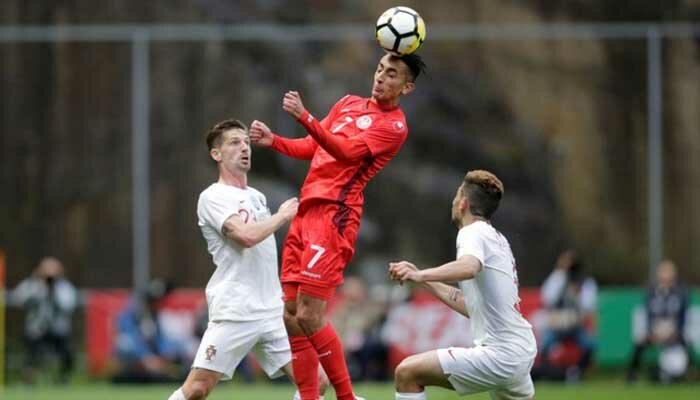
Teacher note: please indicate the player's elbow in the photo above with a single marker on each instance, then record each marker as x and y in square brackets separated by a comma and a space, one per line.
[247, 244]
[247, 241]
[466, 274]
[349, 155]
[242, 238]
[342, 156]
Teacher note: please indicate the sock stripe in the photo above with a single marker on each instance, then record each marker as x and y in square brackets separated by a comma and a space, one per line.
[411, 396]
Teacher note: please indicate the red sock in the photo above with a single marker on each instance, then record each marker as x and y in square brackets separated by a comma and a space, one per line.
[305, 366]
[330, 354]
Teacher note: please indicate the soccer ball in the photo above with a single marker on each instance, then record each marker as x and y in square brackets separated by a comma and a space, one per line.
[400, 31]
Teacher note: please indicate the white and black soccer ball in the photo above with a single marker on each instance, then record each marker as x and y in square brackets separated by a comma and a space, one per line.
[400, 31]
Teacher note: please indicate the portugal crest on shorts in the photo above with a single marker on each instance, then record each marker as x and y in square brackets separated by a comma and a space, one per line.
[210, 352]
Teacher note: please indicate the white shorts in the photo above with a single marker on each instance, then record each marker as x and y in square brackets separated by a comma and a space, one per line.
[225, 343]
[486, 369]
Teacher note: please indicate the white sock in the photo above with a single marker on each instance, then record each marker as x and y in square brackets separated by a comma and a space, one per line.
[177, 395]
[411, 396]
[297, 396]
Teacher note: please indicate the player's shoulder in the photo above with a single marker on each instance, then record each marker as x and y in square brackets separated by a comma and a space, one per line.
[478, 228]
[395, 121]
[207, 192]
[217, 192]
[351, 98]
[349, 101]
[465, 231]
[255, 192]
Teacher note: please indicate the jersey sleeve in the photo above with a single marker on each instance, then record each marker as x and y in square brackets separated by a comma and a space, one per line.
[469, 243]
[215, 209]
[386, 138]
[303, 149]
[343, 149]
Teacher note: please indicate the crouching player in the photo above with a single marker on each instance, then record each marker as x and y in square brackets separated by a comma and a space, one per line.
[505, 349]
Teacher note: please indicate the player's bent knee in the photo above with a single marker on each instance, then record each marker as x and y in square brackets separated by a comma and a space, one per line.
[309, 321]
[197, 390]
[405, 372]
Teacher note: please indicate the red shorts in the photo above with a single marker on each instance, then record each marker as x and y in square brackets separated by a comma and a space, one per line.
[319, 244]
[292, 289]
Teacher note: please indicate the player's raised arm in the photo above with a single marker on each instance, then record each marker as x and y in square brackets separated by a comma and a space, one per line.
[450, 295]
[341, 148]
[465, 267]
[261, 135]
[251, 233]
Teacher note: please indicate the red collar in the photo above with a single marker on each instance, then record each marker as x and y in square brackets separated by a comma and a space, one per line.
[372, 105]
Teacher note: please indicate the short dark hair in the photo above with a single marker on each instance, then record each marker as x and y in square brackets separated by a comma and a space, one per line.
[484, 191]
[214, 135]
[415, 64]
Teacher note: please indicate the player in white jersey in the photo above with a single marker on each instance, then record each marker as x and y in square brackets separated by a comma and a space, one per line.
[505, 348]
[244, 295]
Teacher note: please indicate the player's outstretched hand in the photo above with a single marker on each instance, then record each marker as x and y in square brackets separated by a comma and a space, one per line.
[404, 271]
[292, 104]
[260, 134]
[289, 208]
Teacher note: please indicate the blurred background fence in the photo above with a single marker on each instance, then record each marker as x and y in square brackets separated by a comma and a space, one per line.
[118, 134]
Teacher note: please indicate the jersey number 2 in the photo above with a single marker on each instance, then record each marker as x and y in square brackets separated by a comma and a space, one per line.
[319, 252]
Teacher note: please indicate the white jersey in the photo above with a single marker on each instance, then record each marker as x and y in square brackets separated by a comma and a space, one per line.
[491, 297]
[245, 285]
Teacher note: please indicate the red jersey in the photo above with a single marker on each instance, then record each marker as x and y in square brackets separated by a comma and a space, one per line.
[340, 169]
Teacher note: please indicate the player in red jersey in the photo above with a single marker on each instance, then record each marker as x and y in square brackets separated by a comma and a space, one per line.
[347, 148]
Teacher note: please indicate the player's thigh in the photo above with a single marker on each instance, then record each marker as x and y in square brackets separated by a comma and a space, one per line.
[471, 370]
[272, 349]
[224, 344]
[423, 369]
[328, 246]
[292, 249]
[310, 305]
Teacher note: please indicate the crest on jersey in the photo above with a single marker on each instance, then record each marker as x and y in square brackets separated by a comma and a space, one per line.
[210, 352]
[364, 122]
[398, 126]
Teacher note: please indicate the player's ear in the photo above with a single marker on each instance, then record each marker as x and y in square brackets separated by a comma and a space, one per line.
[215, 154]
[464, 204]
[408, 88]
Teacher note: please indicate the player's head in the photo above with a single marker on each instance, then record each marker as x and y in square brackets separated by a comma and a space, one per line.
[49, 269]
[229, 145]
[156, 291]
[666, 273]
[570, 260]
[395, 77]
[477, 196]
[415, 65]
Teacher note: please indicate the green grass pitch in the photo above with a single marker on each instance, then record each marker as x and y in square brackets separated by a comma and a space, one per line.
[595, 390]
